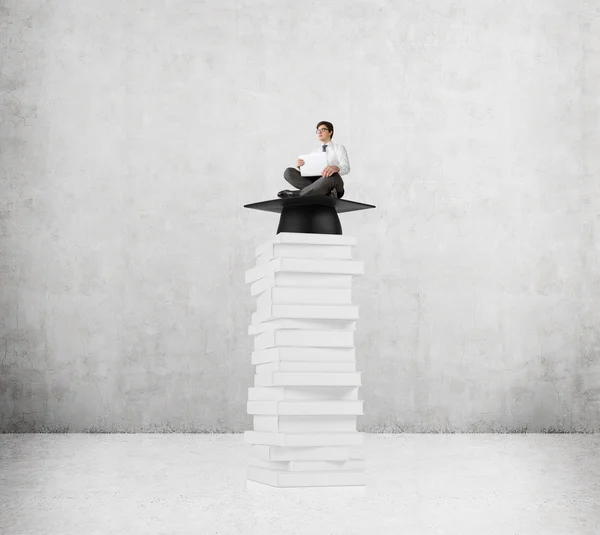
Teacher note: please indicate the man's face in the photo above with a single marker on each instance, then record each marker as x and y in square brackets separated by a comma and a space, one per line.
[323, 134]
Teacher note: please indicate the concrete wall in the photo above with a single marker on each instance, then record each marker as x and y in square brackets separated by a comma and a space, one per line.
[133, 132]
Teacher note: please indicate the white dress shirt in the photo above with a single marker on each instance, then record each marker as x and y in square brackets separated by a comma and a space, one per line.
[336, 155]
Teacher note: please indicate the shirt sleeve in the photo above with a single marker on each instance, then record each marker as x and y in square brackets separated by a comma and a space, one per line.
[344, 160]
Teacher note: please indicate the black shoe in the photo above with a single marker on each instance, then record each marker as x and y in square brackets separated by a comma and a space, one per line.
[284, 194]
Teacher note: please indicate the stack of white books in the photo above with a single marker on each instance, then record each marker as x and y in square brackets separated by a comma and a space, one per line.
[305, 395]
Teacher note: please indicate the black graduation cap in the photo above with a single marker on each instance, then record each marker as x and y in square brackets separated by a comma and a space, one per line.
[316, 214]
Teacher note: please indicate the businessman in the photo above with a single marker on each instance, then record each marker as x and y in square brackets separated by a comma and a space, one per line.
[330, 182]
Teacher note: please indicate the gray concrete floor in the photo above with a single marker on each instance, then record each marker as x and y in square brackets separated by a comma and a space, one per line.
[184, 483]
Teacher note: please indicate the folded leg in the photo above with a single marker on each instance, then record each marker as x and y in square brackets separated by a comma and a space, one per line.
[323, 186]
[293, 176]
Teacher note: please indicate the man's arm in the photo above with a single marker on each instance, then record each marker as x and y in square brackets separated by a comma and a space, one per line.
[344, 161]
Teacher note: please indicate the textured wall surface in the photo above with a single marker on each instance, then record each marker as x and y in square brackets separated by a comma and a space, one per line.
[132, 133]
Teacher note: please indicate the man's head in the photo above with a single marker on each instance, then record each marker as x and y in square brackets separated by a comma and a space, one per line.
[325, 131]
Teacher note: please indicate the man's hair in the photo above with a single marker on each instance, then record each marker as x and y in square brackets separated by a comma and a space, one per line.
[328, 125]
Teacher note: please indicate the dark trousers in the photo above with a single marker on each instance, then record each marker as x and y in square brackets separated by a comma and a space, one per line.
[314, 185]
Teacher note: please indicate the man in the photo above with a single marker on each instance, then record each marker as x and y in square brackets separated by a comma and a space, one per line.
[330, 182]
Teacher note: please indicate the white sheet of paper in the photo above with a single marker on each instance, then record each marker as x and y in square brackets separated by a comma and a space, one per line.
[313, 163]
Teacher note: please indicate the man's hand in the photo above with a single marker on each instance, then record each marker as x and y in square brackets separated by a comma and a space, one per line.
[299, 163]
[330, 170]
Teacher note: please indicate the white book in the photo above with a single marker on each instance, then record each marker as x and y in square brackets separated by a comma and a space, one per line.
[306, 367]
[306, 238]
[304, 408]
[326, 453]
[282, 479]
[304, 354]
[304, 439]
[308, 379]
[303, 393]
[304, 296]
[284, 279]
[303, 250]
[303, 338]
[355, 465]
[308, 324]
[305, 424]
[305, 265]
[347, 312]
